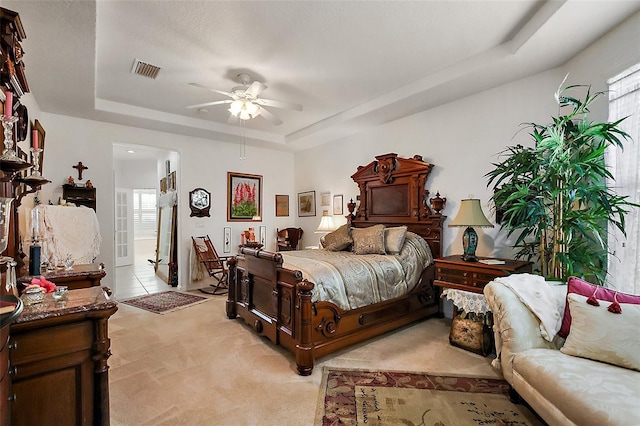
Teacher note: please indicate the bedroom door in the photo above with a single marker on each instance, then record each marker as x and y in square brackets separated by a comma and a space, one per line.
[124, 227]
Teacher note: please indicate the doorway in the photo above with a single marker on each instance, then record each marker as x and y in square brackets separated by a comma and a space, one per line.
[137, 174]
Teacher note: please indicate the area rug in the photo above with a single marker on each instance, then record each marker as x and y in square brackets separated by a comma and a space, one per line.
[165, 302]
[357, 397]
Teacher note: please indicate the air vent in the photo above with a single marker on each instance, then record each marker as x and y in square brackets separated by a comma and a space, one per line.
[144, 69]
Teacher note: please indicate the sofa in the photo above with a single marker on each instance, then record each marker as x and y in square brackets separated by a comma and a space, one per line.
[564, 389]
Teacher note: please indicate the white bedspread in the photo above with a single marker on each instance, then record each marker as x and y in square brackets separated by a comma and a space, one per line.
[351, 281]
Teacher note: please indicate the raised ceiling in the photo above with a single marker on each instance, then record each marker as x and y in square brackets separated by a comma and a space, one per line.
[351, 64]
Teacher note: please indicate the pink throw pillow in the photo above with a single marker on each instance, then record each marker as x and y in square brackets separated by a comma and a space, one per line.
[583, 288]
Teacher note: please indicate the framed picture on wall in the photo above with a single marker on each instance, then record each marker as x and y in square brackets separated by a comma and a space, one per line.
[163, 185]
[226, 248]
[307, 203]
[244, 197]
[171, 181]
[337, 205]
[325, 199]
[282, 205]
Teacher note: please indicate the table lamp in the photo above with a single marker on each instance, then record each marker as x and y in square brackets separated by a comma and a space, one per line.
[326, 225]
[470, 215]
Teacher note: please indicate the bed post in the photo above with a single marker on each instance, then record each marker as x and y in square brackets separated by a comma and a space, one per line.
[231, 283]
[304, 349]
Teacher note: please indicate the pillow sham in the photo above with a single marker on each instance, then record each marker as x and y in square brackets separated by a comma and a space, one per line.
[337, 240]
[368, 240]
[394, 239]
[598, 334]
[578, 286]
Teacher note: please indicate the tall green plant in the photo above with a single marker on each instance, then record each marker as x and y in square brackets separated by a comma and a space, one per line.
[554, 196]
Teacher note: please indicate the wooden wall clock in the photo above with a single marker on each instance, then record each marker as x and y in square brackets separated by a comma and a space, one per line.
[200, 202]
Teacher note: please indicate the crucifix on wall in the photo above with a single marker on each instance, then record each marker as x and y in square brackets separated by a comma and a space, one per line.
[80, 167]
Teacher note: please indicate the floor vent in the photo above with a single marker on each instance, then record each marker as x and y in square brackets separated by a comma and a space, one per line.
[144, 69]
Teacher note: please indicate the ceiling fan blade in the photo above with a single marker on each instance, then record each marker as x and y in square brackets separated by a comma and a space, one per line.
[269, 116]
[206, 104]
[255, 89]
[210, 89]
[279, 104]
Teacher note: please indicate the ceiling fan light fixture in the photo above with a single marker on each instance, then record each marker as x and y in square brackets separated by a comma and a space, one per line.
[244, 109]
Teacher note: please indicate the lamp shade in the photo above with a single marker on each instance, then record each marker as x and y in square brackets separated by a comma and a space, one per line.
[326, 224]
[470, 214]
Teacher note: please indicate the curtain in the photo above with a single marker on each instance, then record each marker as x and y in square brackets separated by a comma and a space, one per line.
[624, 101]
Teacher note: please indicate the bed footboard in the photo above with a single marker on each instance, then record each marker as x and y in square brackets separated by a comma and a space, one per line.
[276, 303]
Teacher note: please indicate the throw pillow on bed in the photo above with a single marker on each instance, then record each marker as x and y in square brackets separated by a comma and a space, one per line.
[368, 240]
[584, 288]
[394, 239]
[599, 334]
[337, 240]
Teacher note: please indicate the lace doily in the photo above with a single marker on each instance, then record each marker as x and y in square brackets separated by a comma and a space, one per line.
[467, 301]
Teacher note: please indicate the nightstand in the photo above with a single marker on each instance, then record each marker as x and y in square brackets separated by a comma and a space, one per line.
[465, 281]
[453, 272]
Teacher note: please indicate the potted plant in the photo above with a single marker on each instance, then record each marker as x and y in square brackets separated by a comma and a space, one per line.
[554, 195]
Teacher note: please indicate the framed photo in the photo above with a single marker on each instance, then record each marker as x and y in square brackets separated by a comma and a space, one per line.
[282, 205]
[307, 203]
[37, 127]
[163, 185]
[227, 240]
[244, 197]
[263, 236]
[325, 199]
[337, 205]
[167, 167]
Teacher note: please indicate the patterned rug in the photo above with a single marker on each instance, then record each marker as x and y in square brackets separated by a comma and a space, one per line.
[165, 302]
[357, 397]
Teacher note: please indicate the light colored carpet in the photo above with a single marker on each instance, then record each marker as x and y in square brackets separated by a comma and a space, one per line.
[196, 367]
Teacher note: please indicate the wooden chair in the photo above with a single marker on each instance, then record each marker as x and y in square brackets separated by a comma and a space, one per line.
[289, 239]
[215, 265]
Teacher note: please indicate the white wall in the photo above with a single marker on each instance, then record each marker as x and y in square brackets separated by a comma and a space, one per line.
[202, 163]
[463, 138]
[136, 174]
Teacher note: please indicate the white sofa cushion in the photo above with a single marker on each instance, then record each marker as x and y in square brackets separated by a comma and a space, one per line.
[604, 336]
[586, 392]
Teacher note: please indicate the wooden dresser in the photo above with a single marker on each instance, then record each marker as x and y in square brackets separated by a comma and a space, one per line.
[58, 354]
[5, 366]
[81, 276]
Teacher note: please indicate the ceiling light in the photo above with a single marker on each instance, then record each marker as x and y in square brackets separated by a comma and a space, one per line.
[130, 151]
[244, 109]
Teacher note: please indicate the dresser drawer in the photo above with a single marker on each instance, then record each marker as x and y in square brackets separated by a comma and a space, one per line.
[50, 342]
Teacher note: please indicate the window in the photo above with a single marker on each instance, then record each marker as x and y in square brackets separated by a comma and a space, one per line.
[624, 101]
[145, 221]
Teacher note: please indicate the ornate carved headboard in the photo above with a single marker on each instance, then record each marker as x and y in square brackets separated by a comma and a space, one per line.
[393, 193]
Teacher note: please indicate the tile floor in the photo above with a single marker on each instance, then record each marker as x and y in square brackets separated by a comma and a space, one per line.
[139, 278]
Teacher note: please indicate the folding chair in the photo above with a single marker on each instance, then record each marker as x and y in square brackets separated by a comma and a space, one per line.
[214, 264]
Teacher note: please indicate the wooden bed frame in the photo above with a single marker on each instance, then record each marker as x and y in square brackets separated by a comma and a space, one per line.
[276, 301]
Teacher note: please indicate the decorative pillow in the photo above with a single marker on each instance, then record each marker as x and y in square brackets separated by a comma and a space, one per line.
[601, 335]
[583, 288]
[394, 239]
[368, 240]
[337, 240]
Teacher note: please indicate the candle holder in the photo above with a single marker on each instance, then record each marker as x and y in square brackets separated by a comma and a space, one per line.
[35, 173]
[9, 154]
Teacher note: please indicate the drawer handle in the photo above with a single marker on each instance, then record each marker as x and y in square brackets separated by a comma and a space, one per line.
[465, 274]
[13, 345]
[12, 397]
[13, 371]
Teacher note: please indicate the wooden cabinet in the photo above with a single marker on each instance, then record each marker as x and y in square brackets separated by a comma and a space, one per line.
[79, 195]
[81, 276]
[453, 272]
[59, 353]
[5, 365]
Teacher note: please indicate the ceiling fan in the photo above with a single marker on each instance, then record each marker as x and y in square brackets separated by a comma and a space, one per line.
[245, 103]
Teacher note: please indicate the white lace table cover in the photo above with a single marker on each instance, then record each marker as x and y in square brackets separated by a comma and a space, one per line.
[467, 301]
